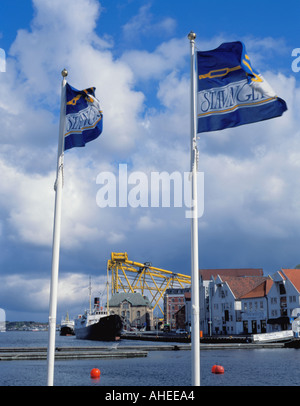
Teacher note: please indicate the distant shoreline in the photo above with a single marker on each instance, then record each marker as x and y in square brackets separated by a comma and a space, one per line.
[25, 326]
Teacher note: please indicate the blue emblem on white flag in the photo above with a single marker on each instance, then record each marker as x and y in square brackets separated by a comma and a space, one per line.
[230, 92]
[84, 118]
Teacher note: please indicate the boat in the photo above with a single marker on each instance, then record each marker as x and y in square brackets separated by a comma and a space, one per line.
[276, 336]
[98, 324]
[67, 326]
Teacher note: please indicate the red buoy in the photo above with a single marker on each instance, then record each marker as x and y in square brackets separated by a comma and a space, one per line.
[95, 373]
[217, 369]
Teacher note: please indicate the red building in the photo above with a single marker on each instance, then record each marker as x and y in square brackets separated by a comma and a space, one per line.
[174, 307]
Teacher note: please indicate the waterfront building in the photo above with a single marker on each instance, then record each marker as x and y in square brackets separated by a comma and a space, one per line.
[243, 301]
[134, 308]
[210, 303]
[226, 303]
[283, 298]
[175, 308]
[255, 309]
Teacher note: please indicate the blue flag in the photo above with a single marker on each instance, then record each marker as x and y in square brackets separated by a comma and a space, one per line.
[84, 118]
[230, 92]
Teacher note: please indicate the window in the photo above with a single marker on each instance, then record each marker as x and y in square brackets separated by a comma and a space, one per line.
[282, 290]
[283, 301]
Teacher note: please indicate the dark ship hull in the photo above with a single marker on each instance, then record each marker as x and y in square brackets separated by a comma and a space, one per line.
[67, 331]
[108, 328]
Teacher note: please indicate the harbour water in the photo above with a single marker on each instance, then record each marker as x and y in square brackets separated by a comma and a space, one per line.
[243, 367]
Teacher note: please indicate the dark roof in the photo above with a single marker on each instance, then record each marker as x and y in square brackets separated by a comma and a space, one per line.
[136, 299]
[206, 274]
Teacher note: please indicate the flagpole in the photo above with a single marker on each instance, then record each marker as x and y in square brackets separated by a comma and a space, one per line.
[195, 334]
[56, 235]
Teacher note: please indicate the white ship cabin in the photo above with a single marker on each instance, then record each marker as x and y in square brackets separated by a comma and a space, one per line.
[92, 316]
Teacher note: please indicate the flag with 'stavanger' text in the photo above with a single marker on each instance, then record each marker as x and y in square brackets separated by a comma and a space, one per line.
[230, 92]
[84, 117]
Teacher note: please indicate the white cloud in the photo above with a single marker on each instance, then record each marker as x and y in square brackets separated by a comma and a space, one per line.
[143, 24]
[115, 237]
[168, 56]
[146, 222]
[28, 203]
[30, 293]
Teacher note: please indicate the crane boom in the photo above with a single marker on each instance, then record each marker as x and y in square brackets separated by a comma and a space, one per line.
[132, 276]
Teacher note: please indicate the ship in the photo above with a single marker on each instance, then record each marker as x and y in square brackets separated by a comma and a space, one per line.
[98, 324]
[67, 326]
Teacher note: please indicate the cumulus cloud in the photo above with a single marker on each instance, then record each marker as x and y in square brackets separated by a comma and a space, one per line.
[30, 294]
[168, 56]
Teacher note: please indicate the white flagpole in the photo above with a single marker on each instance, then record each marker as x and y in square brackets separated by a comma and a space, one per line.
[56, 235]
[195, 335]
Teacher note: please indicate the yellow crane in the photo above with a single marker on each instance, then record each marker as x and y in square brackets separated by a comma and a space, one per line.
[132, 276]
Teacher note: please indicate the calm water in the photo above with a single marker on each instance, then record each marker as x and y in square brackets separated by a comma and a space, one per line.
[261, 367]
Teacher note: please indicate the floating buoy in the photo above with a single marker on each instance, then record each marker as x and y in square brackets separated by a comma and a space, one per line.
[217, 369]
[95, 373]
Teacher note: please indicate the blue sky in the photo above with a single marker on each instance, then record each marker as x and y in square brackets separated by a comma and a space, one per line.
[136, 54]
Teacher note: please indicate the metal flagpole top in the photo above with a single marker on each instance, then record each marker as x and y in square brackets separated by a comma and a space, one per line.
[192, 36]
[64, 73]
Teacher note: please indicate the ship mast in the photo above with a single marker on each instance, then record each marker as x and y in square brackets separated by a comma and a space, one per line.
[107, 292]
[90, 294]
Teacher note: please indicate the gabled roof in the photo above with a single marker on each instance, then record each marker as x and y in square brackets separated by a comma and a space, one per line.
[240, 286]
[278, 276]
[259, 291]
[294, 276]
[206, 274]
